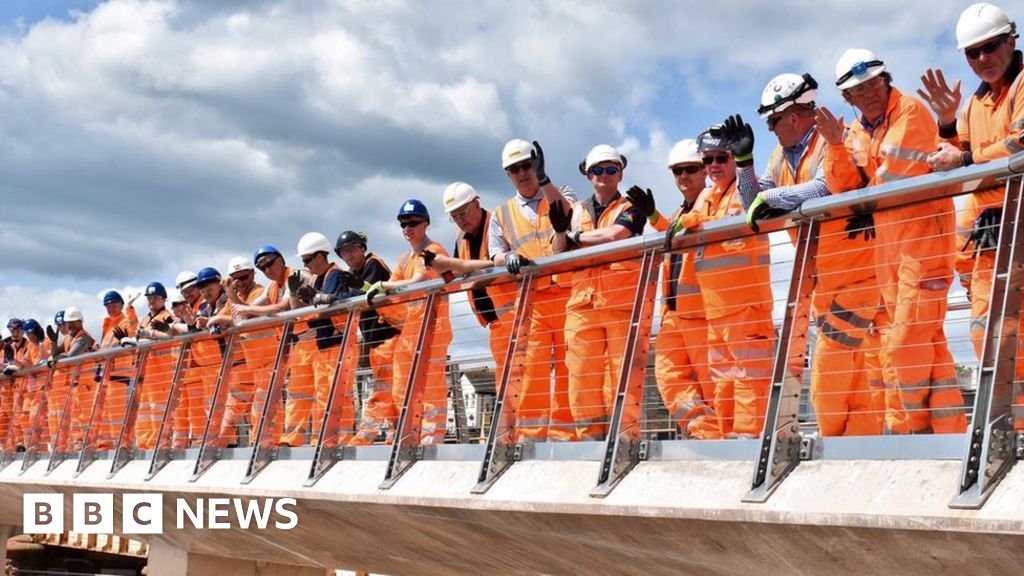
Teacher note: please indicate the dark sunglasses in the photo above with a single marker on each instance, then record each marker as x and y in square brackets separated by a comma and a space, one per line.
[520, 167]
[690, 169]
[602, 170]
[308, 258]
[721, 159]
[263, 265]
[986, 48]
[775, 119]
[410, 223]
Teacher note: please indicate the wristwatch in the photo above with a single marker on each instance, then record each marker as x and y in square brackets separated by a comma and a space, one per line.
[575, 237]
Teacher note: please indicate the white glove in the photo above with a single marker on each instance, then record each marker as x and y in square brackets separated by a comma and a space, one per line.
[129, 341]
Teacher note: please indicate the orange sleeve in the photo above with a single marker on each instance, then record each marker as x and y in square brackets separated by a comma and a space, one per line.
[1013, 141]
[840, 170]
[910, 137]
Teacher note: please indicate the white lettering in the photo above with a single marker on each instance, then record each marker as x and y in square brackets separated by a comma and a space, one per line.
[253, 510]
[196, 517]
[42, 513]
[218, 508]
[92, 513]
[142, 513]
[281, 508]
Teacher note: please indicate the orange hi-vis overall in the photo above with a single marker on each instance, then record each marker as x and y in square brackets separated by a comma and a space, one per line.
[543, 411]
[681, 348]
[990, 126]
[596, 324]
[156, 385]
[26, 401]
[81, 392]
[845, 300]
[115, 402]
[13, 394]
[435, 391]
[381, 339]
[734, 278]
[240, 387]
[914, 254]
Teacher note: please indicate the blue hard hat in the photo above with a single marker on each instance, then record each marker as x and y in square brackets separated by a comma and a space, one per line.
[263, 251]
[15, 323]
[58, 318]
[207, 275]
[112, 297]
[156, 289]
[31, 325]
[413, 207]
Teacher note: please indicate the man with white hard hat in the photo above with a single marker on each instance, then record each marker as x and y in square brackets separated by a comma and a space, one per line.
[520, 231]
[601, 300]
[914, 254]
[241, 288]
[78, 341]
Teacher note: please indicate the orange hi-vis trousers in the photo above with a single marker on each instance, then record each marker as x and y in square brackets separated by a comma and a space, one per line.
[543, 412]
[237, 403]
[30, 406]
[260, 351]
[684, 381]
[380, 405]
[301, 392]
[596, 342]
[741, 346]
[7, 416]
[914, 264]
[878, 370]
[79, 407]
[153, 395]
[435, 389]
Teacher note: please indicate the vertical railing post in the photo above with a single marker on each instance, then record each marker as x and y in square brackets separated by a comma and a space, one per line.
[123, 453]
[210, 449]
[7, 444]
[990, 451]
[39, 422]
[57, 455]
[780, 438]
[263, 452]
[499, 451]
[162, 451]
[405, 450]
[88, 453]
[328, 452]
[622, 447]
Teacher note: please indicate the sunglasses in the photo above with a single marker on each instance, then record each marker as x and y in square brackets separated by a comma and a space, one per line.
[774, 120]
[720, 159]
[602, 170]
[308, 258]
[265, 264]
[690, 169]
[520, 167]
[410, 223]
[986, 48]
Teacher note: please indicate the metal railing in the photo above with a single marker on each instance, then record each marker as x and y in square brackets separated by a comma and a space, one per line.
[166, 399]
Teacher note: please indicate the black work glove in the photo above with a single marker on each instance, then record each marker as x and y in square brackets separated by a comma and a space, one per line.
[10, 369]
[739, 139]
[324, 299]
[294, 281]
[350, 280]
[161, 325]
[306, 293]
[643, 200]
[51, 333]
[537, 162]
[560, 219]
[860, 223]
[119, 332]
[985, 233]
[760, 210]
[514, 262]
[428, 258]
[53, 361]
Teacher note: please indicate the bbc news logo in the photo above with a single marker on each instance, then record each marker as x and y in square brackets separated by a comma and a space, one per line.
[144, 513]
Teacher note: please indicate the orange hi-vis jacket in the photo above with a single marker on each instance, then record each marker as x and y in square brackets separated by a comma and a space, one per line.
[128, 320]
[409, 265]
[610, 286]
[530, 239]
[503, 296]
[733, 274]
[686, 302]
[839, 261]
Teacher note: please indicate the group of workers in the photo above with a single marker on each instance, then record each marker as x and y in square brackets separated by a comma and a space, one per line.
[880, 364]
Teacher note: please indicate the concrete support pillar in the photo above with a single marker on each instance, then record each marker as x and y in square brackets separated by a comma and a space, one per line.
[6, 531]
[165, 559]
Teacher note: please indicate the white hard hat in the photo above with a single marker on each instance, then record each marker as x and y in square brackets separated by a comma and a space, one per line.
[238, 264]
[785, 90]
[457, 195]
[313, 242]
[73, 314]
[185, 279]
[601, 153]
[981, 22]
[684, 152]
[856, 66]
[516, 151]
[175, 297]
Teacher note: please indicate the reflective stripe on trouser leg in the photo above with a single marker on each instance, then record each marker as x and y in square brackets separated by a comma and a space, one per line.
[261, 387]
[345, 416]
[681, 370]
[740, 351]
[596, 341]
[981, 292]
[543, 412]
[237, 404]
[156, 385]
[879, 374]
[298, 409]
[839, 381]
[435, 391]
[190, 416]
[380, 405]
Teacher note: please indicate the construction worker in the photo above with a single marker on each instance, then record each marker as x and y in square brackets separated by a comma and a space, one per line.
[190, 415]
[990, 126]
[26, 401]
[76, 342]
[915, 247]
[414, 219]
[601, 300]
[18, 346]
[490, 304]
[156, 385]
[121, 322]
[379, 336]
[681, 359]
[519, 232]
[322, 287]
[846, 294]
[241, 288]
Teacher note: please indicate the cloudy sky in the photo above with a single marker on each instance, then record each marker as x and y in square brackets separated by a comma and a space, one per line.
[140, 138]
